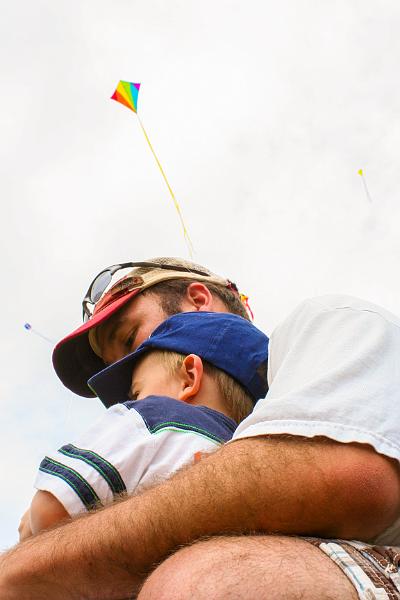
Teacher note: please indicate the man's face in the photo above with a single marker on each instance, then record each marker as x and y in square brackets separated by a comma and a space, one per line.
[125, 331]
[151, 378]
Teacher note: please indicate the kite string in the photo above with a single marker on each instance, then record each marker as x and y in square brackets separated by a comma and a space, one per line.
[43, 337]
[68, 410]
[366, 188]
[361, 173]
[29, 327]
[185, 231]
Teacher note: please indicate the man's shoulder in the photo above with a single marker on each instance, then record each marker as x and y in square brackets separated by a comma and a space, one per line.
[323, 320]
[344, 301]
[161, 413]
[329, 304]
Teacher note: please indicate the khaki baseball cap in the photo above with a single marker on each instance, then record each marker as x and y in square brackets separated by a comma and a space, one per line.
[76, 357]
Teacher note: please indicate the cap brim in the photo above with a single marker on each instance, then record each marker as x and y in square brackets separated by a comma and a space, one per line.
[73, 358]
[113, 383]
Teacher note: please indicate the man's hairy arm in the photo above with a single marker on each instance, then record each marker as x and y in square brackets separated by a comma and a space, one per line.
[278, 484]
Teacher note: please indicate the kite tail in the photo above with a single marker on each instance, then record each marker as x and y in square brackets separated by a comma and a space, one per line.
[46, 339]
[29, 327]
[178, 210]
[361, 173]
[366, 188]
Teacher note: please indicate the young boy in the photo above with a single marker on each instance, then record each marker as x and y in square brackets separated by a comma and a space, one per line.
[179, 395]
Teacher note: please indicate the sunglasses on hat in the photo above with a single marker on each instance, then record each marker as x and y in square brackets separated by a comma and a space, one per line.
[104, 278]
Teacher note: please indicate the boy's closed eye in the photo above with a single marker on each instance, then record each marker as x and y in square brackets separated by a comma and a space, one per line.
[133, 395]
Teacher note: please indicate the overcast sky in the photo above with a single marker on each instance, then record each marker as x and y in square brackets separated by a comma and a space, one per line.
[261, 112]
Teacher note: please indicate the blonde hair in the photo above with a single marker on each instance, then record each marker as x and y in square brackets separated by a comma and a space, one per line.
[237, 401]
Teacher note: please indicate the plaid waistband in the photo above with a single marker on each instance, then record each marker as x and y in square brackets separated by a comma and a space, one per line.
[374, 571]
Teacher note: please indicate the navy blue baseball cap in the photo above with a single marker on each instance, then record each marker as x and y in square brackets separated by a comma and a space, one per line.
[227, 341]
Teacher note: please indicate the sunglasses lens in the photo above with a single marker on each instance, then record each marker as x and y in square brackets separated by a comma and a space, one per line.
[99, 285]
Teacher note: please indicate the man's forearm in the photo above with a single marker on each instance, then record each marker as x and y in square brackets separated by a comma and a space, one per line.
[87, 558]
[256, 484]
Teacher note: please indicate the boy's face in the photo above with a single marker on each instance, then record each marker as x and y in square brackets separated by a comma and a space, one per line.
[151, 378]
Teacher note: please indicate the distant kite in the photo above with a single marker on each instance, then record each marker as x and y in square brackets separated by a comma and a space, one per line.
[29, 327]
[245, 301]
[127, 93]
[361, 173]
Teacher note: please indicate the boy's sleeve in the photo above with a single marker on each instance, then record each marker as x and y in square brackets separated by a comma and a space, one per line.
[133, 444]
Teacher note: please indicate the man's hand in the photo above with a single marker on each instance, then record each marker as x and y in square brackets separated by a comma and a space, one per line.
[283, 484]
[24, 528]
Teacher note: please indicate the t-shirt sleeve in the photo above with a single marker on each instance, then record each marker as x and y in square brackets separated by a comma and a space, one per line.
[334, 371]
[133, 445]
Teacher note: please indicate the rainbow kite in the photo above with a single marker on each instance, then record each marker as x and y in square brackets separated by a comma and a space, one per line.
[127, 93]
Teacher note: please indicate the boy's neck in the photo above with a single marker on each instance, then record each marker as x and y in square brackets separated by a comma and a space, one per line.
[209, 395]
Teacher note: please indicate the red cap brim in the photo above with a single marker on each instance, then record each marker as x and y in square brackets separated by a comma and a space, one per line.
[74, 359]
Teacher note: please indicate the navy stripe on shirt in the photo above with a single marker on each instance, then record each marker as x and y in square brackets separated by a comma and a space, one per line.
[80, 486]
[102, 466]
[161, 412]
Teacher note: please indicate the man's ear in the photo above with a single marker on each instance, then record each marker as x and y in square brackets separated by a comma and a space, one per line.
[197, 297]
[191, 373]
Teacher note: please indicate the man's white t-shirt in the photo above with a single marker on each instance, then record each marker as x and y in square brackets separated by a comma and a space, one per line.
[334, 371]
